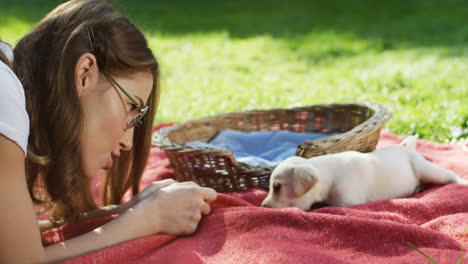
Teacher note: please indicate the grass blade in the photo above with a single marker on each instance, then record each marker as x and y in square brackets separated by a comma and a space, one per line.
[420, 252]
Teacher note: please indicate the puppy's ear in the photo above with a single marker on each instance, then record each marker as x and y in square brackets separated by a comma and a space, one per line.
[304, 178]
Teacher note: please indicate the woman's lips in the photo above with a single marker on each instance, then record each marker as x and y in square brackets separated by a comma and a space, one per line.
[109, 165]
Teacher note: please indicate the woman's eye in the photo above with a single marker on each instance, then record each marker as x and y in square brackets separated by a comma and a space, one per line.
[132, 107]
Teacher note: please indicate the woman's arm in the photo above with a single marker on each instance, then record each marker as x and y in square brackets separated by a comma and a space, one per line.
[19, 232]
[174, 209]
[121, 208]
[114, 209]
[108, 210]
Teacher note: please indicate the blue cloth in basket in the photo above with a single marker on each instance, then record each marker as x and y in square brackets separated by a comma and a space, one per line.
[260, 148]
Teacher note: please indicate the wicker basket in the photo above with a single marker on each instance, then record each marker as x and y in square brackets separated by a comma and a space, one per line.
[359, 123]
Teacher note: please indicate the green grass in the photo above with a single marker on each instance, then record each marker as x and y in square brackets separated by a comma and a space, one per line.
[222, 56]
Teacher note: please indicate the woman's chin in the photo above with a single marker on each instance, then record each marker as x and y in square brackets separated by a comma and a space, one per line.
[91, 174]
[99, 173]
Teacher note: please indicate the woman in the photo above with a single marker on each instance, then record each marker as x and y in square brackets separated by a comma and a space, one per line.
[91, 88]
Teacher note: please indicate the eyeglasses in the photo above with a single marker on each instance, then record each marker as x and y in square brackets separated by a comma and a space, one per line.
[142, 110]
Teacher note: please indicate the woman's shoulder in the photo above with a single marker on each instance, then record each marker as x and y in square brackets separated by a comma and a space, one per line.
[9, 83]
[14, 119]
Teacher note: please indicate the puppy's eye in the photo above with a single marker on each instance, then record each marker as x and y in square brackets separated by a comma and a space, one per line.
[276, 187]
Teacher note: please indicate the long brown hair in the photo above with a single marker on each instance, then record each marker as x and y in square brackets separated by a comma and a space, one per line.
[44, 62]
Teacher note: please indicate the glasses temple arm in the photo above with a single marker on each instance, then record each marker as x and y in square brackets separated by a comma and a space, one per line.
[122, 89]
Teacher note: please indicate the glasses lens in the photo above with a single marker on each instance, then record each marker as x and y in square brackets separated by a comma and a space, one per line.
[136, 121]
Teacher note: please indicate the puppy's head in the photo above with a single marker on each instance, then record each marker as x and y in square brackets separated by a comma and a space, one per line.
[290, 181]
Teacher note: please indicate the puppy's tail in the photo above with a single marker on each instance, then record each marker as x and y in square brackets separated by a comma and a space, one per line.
[409, 142]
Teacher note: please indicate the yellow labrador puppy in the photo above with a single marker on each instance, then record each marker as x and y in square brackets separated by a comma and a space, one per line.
[351, 177]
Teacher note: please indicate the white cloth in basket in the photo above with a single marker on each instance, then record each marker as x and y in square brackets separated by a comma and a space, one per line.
[267, 148]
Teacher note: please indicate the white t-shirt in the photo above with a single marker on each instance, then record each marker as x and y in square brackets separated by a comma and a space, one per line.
[14, 120]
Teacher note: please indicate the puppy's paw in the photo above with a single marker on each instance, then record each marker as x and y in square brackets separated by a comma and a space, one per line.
[454, 178]
[461, 181]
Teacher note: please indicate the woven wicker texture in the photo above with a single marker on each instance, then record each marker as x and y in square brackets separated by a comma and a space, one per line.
[359, 123]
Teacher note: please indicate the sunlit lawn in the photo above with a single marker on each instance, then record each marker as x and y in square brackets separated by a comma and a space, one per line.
[223, 56]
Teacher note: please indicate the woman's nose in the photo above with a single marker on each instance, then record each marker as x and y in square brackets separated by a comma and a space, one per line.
[126, 142]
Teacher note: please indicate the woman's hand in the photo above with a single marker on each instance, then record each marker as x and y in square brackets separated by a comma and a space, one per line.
[154, 186]
[175, 209]
[163, 207]
[115, 208]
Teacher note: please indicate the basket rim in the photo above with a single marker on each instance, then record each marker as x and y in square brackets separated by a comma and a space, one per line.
[381, 114]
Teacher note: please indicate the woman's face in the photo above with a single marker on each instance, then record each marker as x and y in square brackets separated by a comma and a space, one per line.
[106, 111]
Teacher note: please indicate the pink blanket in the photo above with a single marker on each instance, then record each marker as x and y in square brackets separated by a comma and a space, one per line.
[239, 231]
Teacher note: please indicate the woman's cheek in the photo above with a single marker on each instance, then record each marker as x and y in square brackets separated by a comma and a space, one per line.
[114, 126]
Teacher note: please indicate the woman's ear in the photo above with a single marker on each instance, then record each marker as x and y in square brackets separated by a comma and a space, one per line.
[86, 73]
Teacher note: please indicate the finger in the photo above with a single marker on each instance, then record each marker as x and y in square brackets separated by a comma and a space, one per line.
[208, 194]
[190, 229]
[161, 184]
[197, 217]
[156, 185]
[189, 183]
[205, 209]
